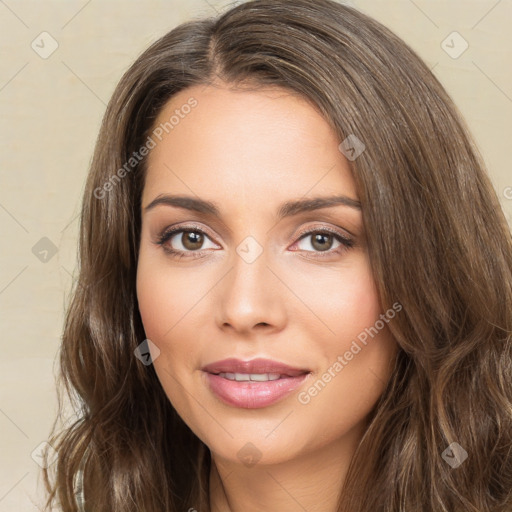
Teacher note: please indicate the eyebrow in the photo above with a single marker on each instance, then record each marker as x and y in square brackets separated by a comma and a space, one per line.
[286, 209]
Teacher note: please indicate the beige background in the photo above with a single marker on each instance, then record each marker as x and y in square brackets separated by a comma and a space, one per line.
[51, 110]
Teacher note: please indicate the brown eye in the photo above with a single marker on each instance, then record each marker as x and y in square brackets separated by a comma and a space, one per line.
[322, 241]
[192, 240]
[185, 242]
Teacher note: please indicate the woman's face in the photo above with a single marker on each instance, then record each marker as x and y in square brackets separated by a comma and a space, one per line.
[263, 269]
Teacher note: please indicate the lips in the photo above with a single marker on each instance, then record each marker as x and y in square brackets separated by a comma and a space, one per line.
[252, 384]
[255, 366]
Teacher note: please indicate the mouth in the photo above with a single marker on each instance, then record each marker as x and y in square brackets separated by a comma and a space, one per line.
[255, 367]
[254, 377]
[252, 384]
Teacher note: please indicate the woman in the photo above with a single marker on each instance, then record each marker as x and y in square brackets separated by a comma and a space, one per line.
[295, 287]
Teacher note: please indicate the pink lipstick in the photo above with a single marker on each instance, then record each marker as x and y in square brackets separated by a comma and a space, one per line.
[252, 384]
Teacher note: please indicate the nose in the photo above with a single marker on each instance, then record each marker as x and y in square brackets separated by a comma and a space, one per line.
[251, 296]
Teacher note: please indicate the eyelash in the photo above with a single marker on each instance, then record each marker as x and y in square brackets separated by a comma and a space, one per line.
[346, 243]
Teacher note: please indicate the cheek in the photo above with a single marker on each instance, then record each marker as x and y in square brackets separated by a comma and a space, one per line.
[356, 365]
[353, 343]
[340, 302]
[170, 302]
[154, 306]
[163, 304]
[360, 306]
[165, 296]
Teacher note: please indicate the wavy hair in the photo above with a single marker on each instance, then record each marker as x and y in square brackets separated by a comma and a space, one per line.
[438, 243]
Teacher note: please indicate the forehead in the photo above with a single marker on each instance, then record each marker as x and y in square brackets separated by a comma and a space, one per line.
[258, 145]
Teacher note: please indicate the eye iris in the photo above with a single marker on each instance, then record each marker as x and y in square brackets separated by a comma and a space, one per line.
[319, 241]
[192, 240]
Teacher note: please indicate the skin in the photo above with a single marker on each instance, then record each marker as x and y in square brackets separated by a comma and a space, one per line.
[250, 151]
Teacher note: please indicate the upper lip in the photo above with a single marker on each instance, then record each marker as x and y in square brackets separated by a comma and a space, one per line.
[260, 365]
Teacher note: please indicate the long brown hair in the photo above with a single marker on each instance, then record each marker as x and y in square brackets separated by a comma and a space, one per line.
[438, 244]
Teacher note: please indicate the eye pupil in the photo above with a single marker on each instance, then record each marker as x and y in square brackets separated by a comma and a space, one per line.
[192, 240]
[319, 241]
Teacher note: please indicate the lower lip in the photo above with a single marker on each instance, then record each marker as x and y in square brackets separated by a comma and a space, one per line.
[252, 394]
